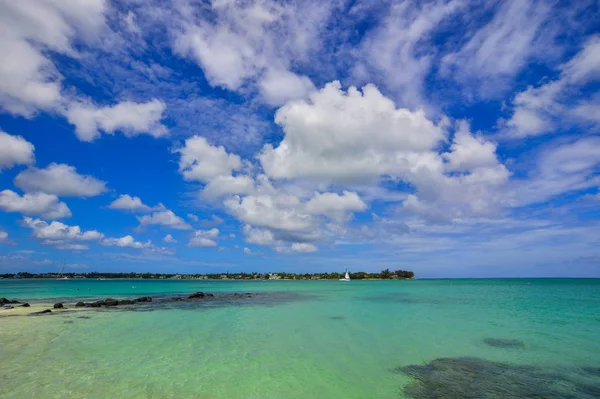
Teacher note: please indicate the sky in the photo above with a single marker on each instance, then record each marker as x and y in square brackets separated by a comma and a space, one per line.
[454, 138]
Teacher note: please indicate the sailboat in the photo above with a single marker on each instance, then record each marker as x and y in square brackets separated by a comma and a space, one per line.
[346, 276]
[60, 276]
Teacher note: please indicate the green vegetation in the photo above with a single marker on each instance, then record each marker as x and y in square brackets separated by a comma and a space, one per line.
[383, 275]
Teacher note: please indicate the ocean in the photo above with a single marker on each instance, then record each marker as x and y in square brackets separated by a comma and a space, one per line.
[471, 338]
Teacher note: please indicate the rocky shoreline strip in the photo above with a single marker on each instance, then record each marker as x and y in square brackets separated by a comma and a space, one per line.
[146, 301]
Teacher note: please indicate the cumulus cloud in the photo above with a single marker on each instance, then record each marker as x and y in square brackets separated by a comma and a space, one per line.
[334, 205]
[29, 80]
[128, 117]
[348, 136]
[15, 150]
[128, 203]
[469, 152]
[59, 179]
[164, 218]
[279, 86]
[126, 242]
[204, 238]
[169, 239]
[226, 185]
[60, 235]
[38, 204]
[200, 161]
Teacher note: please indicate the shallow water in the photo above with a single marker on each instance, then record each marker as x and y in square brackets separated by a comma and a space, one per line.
[309, 339]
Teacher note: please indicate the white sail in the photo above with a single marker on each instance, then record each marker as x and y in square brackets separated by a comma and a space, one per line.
[346, 276]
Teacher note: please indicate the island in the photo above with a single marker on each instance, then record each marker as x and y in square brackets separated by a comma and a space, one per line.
[386, 274]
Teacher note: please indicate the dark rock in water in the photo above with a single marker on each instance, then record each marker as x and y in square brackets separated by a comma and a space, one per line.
[4, 301]
[337, 317]
[211, 295]
[83, 317]
[111, 302]
[25, 305]
[197, 295]
[79, 304]
[8, 307]
[96, 304]
[588, 390]
[504, 343]
[178, 299]
[47, 311]
[472, 378]
[58, 306]
[126, 302]
[144, 299]
[595, 371]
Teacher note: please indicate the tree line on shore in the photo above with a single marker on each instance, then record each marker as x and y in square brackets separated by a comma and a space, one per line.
[386, 274]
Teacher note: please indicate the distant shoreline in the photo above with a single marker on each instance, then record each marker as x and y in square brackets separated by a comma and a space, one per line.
[386, 274]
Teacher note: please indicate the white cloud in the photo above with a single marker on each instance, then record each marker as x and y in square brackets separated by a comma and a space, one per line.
[128, 117]
[559, 169]
[296, 247]
[61, 180]
[39, 204]
[4, 238]
[60, 235]
[303, 247]
[239, 44]
[129, 203]
[200, 161]
[193, 217]
[126, 242]
[391, 54]
[247, 251]
[204, 238]
[470, 152]
[334, 205]
[540, 110]
[349, 136]
[169, 238]
[259, 236]
[226, 185]
[15, 150]
[278, 87]
[164, 218]
[501, 48]
[31, 29]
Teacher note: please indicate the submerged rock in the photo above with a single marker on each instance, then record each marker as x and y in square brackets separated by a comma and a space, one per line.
[47, 311]
[58, 305]
[110, 302]
[79, 304]
[4, 301]
[197, 295]
[126, 302]
[144, 299]
[595, 371]
[25, 305]
[473, 378]
[504, 343]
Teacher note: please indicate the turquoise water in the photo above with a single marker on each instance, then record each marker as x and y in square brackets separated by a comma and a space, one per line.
[328, 340]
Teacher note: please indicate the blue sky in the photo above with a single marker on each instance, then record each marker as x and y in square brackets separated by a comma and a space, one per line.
[454, 138]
